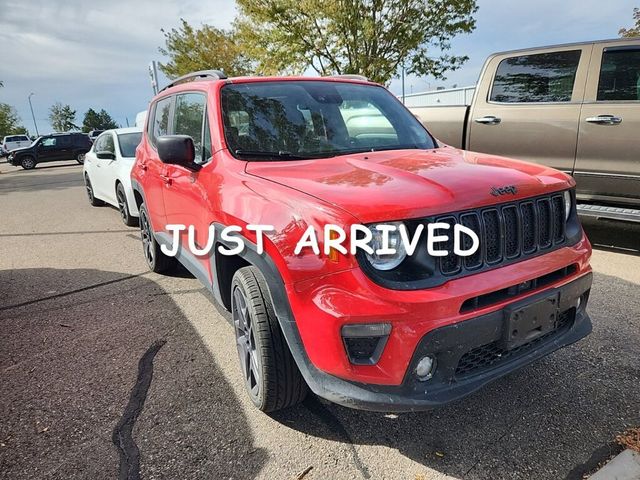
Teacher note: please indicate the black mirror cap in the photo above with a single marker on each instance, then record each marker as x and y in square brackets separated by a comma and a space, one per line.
[105, 155]
[177, 150]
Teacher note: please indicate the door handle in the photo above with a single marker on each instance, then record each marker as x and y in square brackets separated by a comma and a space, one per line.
[488, 120]
[605, 120]
[167, 180]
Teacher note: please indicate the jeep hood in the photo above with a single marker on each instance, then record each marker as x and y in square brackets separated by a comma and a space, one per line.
[401, 184]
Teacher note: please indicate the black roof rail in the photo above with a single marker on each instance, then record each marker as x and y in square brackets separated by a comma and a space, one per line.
[190, 77]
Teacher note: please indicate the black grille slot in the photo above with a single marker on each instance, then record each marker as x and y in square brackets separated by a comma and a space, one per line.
[557, 207]
[528, 227]
[544, 222]
[472, 221]
[507, 232]
[449, 264]
[511, 231]
[492, 237]
[491, 355]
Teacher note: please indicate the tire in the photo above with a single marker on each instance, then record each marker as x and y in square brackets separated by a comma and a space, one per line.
[80, 157]
[157, 261]
[92, 199]
[270, 373]
[123, 207]
[28, 162]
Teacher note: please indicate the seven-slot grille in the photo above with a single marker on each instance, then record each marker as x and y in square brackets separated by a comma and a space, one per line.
[506, 232]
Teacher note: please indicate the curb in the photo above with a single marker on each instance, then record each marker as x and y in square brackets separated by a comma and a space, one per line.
[625, 466]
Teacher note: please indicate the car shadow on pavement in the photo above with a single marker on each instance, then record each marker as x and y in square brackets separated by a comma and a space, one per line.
[554, 419]
[85, 351]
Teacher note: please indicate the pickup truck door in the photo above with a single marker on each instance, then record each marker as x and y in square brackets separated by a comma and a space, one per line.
[527, 105]
[608, 157]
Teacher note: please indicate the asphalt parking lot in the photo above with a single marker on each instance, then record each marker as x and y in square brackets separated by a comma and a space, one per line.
[89, 339]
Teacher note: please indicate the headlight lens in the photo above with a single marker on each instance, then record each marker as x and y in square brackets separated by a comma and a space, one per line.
[567, 204]
[391, 261]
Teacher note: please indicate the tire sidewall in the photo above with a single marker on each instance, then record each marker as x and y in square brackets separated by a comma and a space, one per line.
[30, 165]
[126, 215]
[80, 158]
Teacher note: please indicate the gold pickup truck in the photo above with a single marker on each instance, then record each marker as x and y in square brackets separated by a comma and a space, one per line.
[573, 107]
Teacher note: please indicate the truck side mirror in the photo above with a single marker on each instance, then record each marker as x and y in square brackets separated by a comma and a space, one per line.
[177, 150]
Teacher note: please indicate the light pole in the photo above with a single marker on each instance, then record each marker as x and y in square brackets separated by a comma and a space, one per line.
[33, 116]
[403, 83]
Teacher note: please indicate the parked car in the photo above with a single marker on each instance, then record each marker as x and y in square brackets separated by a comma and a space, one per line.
[11, 142]
[367, 330]
[572, 107]
[93, 134]
[51, 148]
[107, 171]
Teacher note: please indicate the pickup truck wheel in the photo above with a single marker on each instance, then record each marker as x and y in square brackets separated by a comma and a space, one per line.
[28, 162]
[92, 199]
[270, 373]
[123, 207]
[80, 158]
[157, 261]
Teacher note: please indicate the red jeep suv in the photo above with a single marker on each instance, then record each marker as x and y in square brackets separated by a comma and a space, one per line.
[380, 331]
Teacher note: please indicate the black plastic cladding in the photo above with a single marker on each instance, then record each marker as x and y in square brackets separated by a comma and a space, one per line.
[508, 233]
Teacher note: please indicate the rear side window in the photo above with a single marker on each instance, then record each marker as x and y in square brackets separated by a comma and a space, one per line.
[160, 124]
[620, 75]
[189, 120]
[65, 141]
[539, 78]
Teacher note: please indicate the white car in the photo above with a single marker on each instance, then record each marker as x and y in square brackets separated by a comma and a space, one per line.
[107, 169]
[11, 142]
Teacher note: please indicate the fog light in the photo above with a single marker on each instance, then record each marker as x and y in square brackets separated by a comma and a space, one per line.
[364, 342]
[425, 368]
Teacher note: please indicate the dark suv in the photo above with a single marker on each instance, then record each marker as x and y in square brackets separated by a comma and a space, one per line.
[51, 148]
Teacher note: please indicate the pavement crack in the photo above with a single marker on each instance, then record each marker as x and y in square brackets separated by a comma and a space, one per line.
[122, 436]
[72, 292]
[334, 424]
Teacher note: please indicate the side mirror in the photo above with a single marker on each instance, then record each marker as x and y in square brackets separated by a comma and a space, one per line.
[106, 155]
[177, 150]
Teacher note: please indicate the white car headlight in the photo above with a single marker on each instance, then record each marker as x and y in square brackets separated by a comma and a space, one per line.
[386, 261]
[567, 204]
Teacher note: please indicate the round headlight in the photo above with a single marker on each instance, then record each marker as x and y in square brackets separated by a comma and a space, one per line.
[567, 204]
[386, 261]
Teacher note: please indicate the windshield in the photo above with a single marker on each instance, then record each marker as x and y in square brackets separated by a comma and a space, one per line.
[315, 119]
[128, 143]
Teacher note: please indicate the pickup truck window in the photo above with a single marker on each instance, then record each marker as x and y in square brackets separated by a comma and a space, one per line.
[538, 78]
[315, 119]
[620, 75]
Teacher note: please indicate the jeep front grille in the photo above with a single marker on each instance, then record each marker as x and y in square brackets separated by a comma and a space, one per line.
[506, 232]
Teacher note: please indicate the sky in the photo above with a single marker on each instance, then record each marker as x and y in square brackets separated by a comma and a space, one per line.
[96, 54]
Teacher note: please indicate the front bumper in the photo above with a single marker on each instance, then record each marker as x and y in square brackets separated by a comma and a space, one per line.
[467, 355]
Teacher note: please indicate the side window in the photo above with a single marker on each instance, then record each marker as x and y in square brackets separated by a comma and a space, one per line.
[543, 77]
[49, 142]
[188, 120]
[108, 144]
[65, 141]
[160, 124]
[619, 75]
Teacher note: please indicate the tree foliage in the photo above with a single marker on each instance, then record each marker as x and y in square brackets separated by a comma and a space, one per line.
[10, 121]
[62, 117]
[633, 31]
[190, 49]
[97, 121]
[369, 37]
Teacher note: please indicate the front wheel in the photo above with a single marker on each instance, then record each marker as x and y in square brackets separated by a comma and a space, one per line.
[123, 207]
[270, 373]
[80, 158]
[157, 261]
[28, 162]
[92, 198]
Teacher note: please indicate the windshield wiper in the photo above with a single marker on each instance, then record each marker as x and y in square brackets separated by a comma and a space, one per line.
[276, 155]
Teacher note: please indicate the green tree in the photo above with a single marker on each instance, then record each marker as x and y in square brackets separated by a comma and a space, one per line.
[369, 37]
[633, 31]
[190, 49]
[10, 121]
[62, 117]
[97, 121]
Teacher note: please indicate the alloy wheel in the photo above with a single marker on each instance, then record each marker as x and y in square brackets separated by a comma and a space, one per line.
[122, 205]
[87, 184]
[147, 238]
[246, 342]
